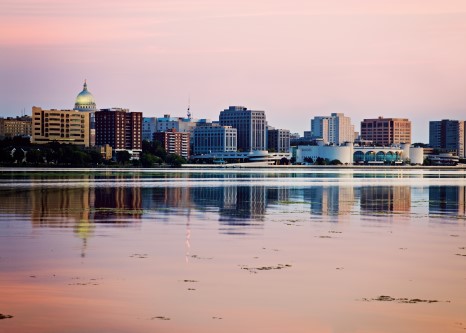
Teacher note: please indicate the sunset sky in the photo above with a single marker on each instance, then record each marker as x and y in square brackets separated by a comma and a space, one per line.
[295, 59]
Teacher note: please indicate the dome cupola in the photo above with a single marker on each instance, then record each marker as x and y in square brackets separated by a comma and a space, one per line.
[85, 101]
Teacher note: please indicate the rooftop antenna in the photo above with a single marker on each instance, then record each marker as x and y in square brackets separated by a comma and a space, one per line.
[188, 113]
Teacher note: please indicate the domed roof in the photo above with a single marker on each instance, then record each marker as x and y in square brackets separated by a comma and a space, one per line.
[85, 101]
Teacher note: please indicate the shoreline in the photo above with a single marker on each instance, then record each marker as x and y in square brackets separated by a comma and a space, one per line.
[246, 166]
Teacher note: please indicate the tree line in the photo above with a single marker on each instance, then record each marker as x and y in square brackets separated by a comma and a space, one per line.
[19, 151]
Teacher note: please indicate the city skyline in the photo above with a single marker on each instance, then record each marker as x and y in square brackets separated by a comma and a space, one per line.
[295, 60]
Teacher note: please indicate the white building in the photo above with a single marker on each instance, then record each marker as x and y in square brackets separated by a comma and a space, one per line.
[214, 138]
[333, 129]
[349, 154]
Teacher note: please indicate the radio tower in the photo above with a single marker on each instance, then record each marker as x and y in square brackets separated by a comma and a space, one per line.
[188, 113]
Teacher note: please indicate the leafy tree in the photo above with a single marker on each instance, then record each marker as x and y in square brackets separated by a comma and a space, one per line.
[80, 158]
[284, 161]
[148, 160]
[335, 162]
[18, 155]
[123, 156]
[320, 161]
[175, 160]
[155, 148]
[427, 162]
[5, 156]
[308, 160]
[35, 156]
[95, 157]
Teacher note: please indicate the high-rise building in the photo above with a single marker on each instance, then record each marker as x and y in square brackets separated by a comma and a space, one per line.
[120, 129]
[386, 131]
[19, 126]
[214, 138]
[149, 127]
[174, 142]
[251, 127]
[63, 126]
[333, 129]
[278, 140]
[448, 135]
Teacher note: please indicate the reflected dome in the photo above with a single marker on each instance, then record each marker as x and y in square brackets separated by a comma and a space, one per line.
[85, 101]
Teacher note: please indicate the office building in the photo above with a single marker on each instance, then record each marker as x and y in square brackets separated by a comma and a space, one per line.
[214, 138]
[174, 142]
[251, 127]
[18, 126]
[149, 127]
[63, 126]
[448, 136]
[386, 131]
[333, 129]
[278, 140]
[119, 128]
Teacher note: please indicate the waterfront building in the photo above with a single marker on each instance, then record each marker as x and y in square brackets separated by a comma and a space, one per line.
[334, 129]
[448, 136]
[278, 140]
[121, 129]
[149, 127]
[214, 138]
[174, 142]
[370, 155]
[63, 126]
[251, 127]
[386, 131]
[18, 126]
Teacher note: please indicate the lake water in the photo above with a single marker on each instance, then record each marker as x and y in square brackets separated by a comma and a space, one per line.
[225, 250]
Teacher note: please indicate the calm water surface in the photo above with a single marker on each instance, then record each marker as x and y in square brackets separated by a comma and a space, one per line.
[232, 251]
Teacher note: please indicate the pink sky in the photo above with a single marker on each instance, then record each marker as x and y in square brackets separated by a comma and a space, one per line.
[295, 59]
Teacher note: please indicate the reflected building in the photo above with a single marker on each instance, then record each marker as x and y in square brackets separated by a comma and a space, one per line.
[448, 200]
[117, 203]
[330, 200]
[166, 197]
[61, 207]
[236, 203]
[375, 199]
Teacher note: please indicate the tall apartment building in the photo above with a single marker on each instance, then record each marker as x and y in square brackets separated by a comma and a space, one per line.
[278, 140]
[174, 142]
[333, 129]
[448, 135]
[19, 126]
[120, 129]
[386, 131]
[63, 126]
[214, 138]
[251, 127]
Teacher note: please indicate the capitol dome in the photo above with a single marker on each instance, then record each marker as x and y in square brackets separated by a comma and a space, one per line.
[85, 101]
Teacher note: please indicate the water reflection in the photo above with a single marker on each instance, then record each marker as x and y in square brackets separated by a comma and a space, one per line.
[236, 204]
[385, 199]
[330, 200]
[447, 200]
